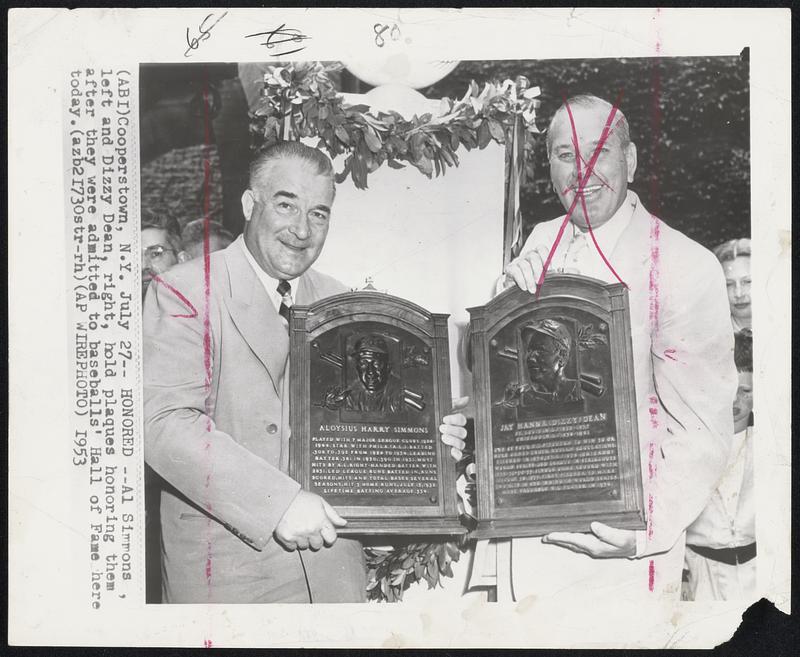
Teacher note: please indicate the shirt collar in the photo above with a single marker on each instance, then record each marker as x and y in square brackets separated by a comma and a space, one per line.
[609, 233]
[270, 284]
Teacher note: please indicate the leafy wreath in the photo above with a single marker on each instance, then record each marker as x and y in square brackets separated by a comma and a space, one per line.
[300, 100]
[391, 571]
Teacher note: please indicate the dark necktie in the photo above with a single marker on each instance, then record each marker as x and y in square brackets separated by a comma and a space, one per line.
[285, 290]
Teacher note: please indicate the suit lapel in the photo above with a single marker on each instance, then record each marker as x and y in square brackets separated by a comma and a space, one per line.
[254, 315]
[632, 248]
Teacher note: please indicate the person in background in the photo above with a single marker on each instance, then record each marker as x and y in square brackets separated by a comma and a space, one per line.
[721, 543]
[162, 249]
[161, 245]
[735, 258]
[194, 235]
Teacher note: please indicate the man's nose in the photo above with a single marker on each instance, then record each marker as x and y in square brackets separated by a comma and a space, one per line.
[300, 227]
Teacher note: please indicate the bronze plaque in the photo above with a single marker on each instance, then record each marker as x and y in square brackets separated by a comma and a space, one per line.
[556, 439]
[370, 382]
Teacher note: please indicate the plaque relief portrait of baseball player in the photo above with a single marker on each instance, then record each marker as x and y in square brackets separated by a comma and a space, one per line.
[544, 387]
[548, 348]
[375, 387]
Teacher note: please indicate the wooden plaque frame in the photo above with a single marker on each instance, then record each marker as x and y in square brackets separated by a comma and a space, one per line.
[563, 293]
[338, 315]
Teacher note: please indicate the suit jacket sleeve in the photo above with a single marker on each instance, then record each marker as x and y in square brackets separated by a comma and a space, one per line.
[241, 490]
[695, 380]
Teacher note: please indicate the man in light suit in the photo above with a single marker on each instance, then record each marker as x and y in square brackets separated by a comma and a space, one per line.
[235, 526]
[682, 340]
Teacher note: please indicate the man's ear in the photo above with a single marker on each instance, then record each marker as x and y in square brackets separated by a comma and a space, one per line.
[183, 256]
[248, 201]
[630, 157]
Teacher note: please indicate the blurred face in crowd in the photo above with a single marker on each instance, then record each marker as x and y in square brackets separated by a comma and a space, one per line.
[613, 169]
[287, 217]
[215, 243]
[743, 404]
[737, 277]
[158, 255]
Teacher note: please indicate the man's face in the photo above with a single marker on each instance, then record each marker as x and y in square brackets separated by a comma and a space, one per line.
[543, 360]
[157, 254]
[372, 369]
[613, 169]
[737, 277]
[743, 404]
[287, 218]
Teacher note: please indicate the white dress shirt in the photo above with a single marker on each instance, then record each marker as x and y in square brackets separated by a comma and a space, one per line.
[578, 254]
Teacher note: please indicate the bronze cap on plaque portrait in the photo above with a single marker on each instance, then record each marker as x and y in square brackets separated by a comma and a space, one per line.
[370, 382]
[556, 438]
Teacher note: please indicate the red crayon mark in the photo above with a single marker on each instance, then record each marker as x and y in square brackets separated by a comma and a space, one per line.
[651, 464]
[654, 289]
[207, 643]
[192, 310]
[206, 250]
[206, 304]
[579, 158]
[669, 354]
[583, 179]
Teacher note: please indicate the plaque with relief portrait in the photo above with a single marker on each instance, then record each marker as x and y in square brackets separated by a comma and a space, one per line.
[556, 440]
[370, 382]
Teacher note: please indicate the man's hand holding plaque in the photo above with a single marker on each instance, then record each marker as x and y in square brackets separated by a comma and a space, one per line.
[309, 522]
[603, 543]
[525, 271]
[453, 428]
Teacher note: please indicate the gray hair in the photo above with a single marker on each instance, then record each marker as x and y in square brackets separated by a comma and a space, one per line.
[262, 163]
[619, 126]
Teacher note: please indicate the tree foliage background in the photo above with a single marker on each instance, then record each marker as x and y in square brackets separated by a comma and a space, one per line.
[689, 118]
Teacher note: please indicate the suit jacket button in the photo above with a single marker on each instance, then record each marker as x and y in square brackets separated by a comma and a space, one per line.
[272, 428]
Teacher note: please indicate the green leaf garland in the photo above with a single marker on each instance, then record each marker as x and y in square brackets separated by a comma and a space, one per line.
[299, 100]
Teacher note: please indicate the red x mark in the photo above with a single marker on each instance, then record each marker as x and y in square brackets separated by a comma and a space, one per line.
[602, 180]
[193, 311]
[583, 179]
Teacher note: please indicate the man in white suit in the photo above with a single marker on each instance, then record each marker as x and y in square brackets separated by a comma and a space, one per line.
[235, 526]
[682, 353]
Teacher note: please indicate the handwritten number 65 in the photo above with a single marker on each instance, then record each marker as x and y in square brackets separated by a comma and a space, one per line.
[394, 33]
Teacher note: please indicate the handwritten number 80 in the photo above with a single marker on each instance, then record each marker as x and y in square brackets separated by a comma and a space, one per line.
[394, 33]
